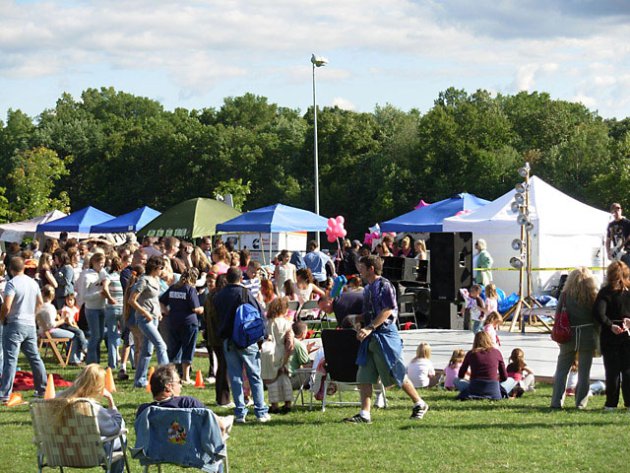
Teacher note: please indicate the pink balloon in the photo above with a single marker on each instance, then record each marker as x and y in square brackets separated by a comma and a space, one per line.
[331, 222]
[340, 220]
[331, 238]
[367, 238]
[343, 233]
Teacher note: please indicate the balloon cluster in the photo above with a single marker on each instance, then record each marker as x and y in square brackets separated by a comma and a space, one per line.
[375, 234]
[335, 229]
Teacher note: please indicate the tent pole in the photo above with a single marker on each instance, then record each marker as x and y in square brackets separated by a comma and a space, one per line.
[262, 248]
[516, 309]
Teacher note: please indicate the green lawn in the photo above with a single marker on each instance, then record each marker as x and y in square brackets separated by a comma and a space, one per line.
[515, 436]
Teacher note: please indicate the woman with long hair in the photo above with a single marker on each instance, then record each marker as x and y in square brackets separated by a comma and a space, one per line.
[44, 271]
[578, 298]
[64, 276]
[91, 290]
[181, 319]
[487, 371]
[612, 308]
[90, 385]
[144, 300]
[284, 271]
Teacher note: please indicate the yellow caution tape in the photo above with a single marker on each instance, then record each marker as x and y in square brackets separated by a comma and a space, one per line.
[592, 268]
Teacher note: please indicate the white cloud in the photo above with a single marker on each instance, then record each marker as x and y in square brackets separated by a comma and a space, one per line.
[199, 43]
[343, 104]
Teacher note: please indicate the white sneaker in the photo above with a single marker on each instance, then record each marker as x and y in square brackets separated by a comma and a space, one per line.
[380, 401]
[240, 420]
[211, 380]
[264, 418]
[229, 405]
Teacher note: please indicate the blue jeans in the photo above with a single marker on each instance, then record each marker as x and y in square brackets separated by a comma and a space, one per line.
[113, 314]
[75, 353]
[22, 336]
[151, 337]
[182, 340]
[1, 350]
[248, 357]
[461, 384]
[96, 324]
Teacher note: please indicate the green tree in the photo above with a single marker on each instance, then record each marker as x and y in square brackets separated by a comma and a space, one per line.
[32, 182]
[237, 188]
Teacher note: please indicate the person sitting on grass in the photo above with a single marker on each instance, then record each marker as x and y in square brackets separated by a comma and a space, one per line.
[487, 370]
[522, 374]
[420, 369]
[166, 387]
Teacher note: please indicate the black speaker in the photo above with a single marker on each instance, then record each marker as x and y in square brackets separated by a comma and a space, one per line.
[451, 264]
[400, 269]
[423, 272]
[444, 315]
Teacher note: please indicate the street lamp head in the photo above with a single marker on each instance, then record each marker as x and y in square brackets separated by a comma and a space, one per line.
[318, 61]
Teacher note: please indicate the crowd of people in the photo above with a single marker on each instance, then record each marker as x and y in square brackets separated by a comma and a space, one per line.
[157, 296]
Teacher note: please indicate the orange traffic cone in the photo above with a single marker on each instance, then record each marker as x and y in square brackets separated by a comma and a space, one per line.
[199, 380]
[151, 370]
[109, 380]
[15, 399]
[50, 388]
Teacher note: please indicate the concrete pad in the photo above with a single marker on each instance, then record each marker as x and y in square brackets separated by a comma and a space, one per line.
[541, 353]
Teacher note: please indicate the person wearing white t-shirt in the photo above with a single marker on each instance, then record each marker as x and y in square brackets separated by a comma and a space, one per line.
[91, 288]
[420, 369]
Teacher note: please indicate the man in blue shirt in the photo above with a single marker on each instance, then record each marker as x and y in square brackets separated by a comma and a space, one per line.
[22, 300]
[380, 352]
[316, 261]
[226, 302]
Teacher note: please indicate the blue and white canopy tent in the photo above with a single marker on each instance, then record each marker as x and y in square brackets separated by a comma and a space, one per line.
[80, 221]
[274, 219]
[429, 218]
[129, 222]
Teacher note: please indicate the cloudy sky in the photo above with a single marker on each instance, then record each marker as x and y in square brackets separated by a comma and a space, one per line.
[404, 52]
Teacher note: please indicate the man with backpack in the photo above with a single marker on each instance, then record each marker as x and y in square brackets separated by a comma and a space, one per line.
[241, 327]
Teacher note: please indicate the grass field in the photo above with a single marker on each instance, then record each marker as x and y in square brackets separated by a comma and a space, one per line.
[520, 435]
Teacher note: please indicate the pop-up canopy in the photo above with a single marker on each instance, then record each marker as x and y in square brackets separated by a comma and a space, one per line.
[429, 218]
[275, 218]
[566, 234]
[129, 222]
[80, 221]
[193, 218]
[17, 231]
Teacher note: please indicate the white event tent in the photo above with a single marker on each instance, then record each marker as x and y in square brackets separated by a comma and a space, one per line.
[567, 233]
[17, 231]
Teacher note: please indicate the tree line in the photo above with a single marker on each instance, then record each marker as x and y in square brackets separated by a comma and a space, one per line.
[117, 151]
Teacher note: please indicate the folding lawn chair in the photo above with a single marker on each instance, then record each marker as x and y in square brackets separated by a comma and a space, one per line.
[57, 345]
[73, 439]
[340, 351]
[187, 437]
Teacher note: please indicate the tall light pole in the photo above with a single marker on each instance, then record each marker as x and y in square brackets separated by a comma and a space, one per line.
[316, 61]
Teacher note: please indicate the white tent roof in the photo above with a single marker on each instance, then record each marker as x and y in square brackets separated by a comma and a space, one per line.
[551, 212]
[17, 231]
[567, 233]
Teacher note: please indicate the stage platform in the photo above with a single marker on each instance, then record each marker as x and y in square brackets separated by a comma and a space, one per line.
[541, 353]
